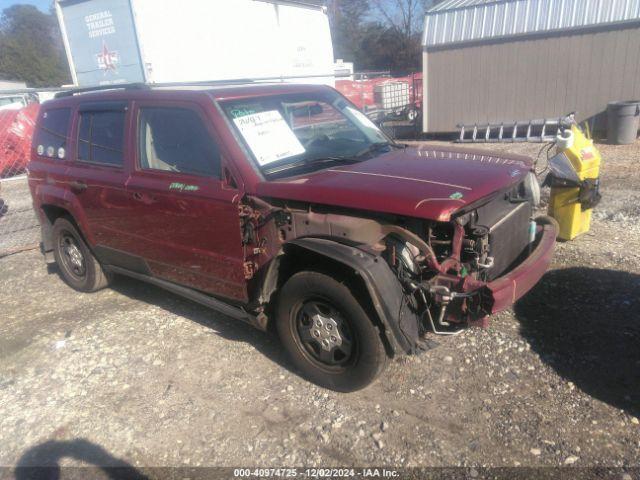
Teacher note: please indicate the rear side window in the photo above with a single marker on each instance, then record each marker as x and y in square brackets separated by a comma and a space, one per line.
[176, 140]
[101, 137]
[50, 138]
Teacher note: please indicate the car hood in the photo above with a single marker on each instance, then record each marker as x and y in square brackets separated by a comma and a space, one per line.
[426, 182]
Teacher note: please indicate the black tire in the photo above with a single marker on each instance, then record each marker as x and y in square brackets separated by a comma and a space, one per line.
[78, 267]
[354, 358]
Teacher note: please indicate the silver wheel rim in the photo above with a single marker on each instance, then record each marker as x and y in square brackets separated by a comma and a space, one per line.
[324, 334]
[72, 257]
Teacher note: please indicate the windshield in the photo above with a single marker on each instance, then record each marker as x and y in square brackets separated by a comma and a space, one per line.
[287, 133]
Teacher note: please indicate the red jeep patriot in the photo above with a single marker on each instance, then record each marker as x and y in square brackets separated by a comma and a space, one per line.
[283, 204]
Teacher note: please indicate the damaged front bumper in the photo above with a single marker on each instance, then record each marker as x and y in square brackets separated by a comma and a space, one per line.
[506, 290]
[468, 301]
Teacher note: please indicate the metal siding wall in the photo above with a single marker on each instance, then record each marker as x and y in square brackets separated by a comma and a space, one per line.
[531, 78]
[631, 74]
[472, 21]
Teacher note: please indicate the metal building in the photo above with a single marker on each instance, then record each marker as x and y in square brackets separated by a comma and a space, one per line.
[494, 61]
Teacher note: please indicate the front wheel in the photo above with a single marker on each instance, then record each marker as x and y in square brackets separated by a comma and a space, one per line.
[327, 334]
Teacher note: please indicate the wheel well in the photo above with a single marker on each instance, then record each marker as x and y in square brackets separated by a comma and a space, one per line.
[53, 212]
[298, 259]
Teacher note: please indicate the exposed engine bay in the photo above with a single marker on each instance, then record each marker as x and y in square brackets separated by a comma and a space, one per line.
[443, 267]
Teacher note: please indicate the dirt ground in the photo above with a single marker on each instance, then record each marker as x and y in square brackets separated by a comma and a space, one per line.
[134, 374]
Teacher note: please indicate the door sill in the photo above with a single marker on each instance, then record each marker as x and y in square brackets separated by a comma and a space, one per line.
[237, 313]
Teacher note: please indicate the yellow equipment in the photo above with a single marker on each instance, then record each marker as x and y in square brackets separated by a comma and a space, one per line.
[574, 194]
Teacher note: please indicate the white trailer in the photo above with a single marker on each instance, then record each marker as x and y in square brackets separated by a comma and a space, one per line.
[164, 41]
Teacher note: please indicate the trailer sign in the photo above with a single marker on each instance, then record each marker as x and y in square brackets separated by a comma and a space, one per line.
[100, 24]
[102, 42]
[156, 41]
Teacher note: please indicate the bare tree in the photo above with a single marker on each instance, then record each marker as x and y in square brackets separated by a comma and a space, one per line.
[378, 34]
[404, 20]
[348, 18]
[406, 16]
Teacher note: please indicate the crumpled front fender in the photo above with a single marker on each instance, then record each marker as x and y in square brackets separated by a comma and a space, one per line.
[399, 323]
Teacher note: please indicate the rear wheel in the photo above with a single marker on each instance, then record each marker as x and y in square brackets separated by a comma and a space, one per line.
[327, 334]
[78, 267]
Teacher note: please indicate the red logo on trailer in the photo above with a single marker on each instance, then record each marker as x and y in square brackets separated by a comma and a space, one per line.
[108, 60]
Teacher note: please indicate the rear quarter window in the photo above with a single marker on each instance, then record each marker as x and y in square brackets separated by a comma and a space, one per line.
[50, 139]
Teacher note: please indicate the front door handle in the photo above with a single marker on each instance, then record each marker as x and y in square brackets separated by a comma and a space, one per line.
[78, 186]
[144, 198]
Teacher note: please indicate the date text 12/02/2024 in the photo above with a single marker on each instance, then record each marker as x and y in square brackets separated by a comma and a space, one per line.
[315, 472]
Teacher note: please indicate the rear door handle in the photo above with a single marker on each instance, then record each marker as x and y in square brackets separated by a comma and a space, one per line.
[78, 186]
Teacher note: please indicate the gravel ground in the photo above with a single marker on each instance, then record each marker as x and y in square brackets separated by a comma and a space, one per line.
[19, 227]
[138, 375]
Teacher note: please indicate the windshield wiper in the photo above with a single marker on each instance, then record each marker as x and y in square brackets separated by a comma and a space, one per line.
[313, 161]
[376, 147]
[357, 157]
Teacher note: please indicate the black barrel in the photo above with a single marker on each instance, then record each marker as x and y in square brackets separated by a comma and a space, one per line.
[623, 122]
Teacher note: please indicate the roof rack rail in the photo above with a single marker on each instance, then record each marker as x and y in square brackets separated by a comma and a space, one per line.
[235, 81]
[203, 83]
[143, 86]
[123, 86]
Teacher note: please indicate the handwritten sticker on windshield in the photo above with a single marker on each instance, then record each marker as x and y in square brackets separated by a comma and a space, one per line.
[269, 136]
[241, 112]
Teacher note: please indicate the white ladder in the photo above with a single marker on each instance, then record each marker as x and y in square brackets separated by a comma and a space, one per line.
[538, 131]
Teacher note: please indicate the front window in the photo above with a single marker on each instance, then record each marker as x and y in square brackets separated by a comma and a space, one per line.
[294, 132]
[176, 140]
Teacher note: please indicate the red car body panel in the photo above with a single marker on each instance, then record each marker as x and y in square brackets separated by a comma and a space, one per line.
[134, 211]
[429, 183]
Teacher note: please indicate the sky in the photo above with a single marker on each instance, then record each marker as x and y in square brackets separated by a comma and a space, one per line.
[41, 4]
